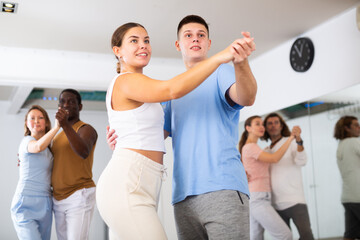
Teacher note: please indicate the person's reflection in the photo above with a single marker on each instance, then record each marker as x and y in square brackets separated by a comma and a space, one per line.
[347, 130]
[286, 178]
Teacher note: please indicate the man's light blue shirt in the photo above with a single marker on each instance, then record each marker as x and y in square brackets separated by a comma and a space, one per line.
[204, 131]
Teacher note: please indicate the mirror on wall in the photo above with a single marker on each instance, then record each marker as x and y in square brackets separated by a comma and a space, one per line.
[24, 97]
[327, 178]
[321, 177]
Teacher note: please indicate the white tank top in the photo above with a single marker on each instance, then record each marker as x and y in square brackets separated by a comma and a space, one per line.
[138, 128]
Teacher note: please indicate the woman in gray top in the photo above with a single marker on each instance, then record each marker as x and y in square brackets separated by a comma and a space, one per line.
[347, 130]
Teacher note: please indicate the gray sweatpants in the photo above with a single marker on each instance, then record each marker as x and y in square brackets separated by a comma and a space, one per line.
[219, 215]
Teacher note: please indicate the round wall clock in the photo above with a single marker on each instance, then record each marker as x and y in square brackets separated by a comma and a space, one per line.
[302, 54]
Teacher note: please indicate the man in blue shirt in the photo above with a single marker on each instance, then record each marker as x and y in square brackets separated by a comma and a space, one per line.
[210, 190]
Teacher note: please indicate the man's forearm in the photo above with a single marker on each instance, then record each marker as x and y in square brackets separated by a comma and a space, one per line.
[245, 85]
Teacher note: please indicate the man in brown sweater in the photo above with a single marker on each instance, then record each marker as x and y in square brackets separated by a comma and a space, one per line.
[73, 187]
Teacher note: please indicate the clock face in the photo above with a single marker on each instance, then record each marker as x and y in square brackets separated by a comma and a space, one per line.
[302, 54]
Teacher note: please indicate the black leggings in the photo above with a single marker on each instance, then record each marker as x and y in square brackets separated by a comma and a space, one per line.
[300, 216]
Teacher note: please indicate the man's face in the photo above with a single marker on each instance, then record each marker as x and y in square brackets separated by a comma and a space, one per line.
[354, 129]
[193, 42]
[273, 127]
[69, 103]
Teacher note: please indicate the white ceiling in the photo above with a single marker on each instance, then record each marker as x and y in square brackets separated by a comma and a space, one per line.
[87, 26]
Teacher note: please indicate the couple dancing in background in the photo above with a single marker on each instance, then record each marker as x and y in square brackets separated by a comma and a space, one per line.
[55, 176]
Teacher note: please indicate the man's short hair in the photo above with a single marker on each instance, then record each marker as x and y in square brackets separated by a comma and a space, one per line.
[73, 91]
[192, 19]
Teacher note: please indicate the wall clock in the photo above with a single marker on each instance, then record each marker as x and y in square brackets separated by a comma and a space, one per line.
[302, 54]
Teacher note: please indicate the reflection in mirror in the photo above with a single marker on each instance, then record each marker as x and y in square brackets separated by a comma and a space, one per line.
[23, 97]
[328, 181]
[297, 115]
[48, 98]
[321, 176]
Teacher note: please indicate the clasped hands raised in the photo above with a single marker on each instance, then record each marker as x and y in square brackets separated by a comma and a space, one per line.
[295, 132]
[239, 50]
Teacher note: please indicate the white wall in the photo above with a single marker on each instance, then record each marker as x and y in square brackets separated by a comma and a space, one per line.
[60, 69]
[11, 129]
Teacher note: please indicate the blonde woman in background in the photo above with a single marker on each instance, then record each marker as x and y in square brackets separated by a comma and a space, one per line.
[31, 207]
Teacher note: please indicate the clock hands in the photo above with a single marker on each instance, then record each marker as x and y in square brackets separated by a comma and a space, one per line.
[299, 52]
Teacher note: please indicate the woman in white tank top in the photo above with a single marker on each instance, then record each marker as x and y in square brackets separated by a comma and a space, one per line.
[128, 189]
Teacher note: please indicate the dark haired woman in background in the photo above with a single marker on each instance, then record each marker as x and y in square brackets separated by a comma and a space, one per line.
[347, 130]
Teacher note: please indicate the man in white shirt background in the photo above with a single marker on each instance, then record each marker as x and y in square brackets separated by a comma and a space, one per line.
[286, 178]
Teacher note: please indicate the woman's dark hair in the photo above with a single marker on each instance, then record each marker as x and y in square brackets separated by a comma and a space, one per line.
[192, 19]
[285, 132]
[340, 132]
[27, 131]
[118, 36]
[245, 134]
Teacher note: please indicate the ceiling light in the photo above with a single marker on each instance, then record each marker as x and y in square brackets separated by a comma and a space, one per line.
[8, 10]
[9, 7]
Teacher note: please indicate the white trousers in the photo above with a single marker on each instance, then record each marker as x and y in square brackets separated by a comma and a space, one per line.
[73, 215]
[127, 196]
[264, 216]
